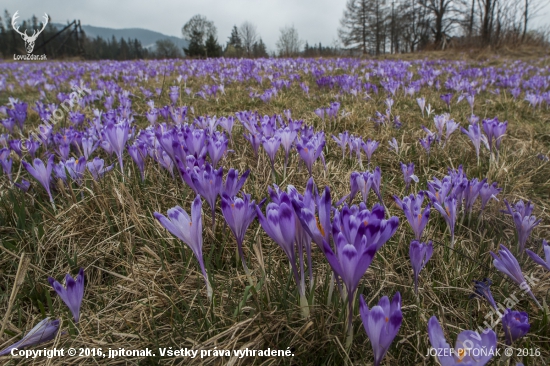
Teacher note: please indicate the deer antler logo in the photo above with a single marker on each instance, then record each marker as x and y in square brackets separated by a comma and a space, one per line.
[29, 40]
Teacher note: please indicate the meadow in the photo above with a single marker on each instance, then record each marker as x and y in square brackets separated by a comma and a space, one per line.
[353, 180]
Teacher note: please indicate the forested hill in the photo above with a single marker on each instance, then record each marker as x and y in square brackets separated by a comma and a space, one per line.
[145, 36]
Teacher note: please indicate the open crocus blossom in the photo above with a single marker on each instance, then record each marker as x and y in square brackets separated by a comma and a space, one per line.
[523, 220]
[44, 331]
[420, 254]
[539, 260]
[412, 208]
[508, 264]
[381, 323]
[72, 293]
[471, 347]
[42, 173]
[515, 325]
[189, 230]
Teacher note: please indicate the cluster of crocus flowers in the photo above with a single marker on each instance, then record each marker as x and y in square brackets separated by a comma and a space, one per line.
[71, 294]
[416, 216]
[279, 223]
[358, 234]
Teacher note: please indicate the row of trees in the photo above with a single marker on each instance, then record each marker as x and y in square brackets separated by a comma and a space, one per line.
[244, 41]
[381, 26]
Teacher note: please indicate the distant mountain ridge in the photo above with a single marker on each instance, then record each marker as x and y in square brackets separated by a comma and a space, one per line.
[145, 36]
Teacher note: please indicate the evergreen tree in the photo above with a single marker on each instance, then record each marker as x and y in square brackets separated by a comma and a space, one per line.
[259, 49]
[213, 49]
[195, 47]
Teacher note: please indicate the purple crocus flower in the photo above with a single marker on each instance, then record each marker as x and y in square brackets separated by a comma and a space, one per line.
[208, 183]
[487, 192]
[412, 208]
[422, 104]
[508, 264]
[342, 140]
[255, 141]
[9, 124]
[539, 260]
[369, 147]
[381, 323]
[189, 230]
[24, 185]
[72, 293]
[59, 171]
[494, 130]
[19, 113]
[523, 220]
[239, 214]
[358, 234]
[394, 146]
[426, 143]
[420, 254]
[408, 174]
[360, 182]
[76, 168]
[88, 146]
[279, 223]
[138, 155]
[466, 342]
[117, 135]
[515, 325]
[233, 183]
[271, 146]
[311, 149]
[474, 133]
[483, 289]
[6, 162]
[217, 146]
[42, 173]
[288, 137]
[97, 168]
[44, 331]
[448, 211]
[31, 145]
[447, 99]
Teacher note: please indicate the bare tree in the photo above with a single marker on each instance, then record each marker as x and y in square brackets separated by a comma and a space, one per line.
[199, 28]
[354, 27]
[248, 35]
[289, 42]
[441, 11]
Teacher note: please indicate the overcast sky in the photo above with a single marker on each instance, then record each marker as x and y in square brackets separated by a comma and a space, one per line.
[316, 20]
